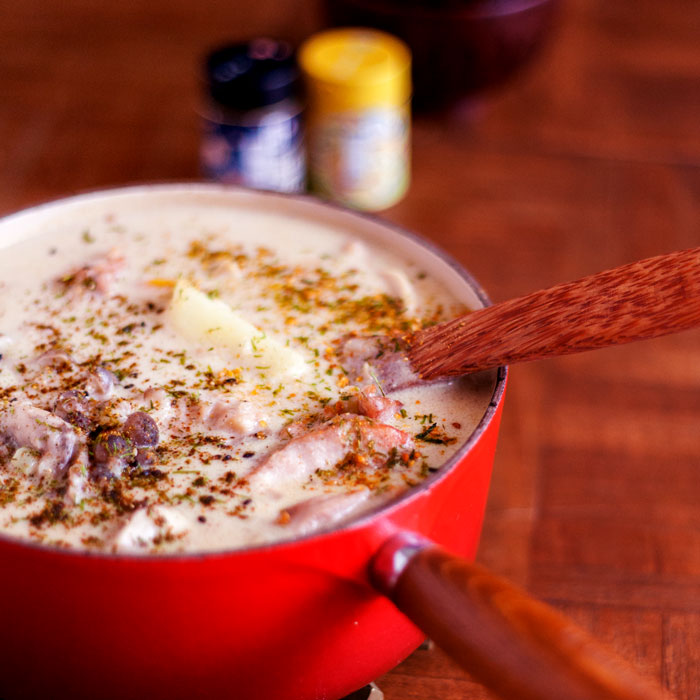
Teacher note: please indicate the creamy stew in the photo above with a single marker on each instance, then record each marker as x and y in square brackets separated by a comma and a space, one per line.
[171, 377]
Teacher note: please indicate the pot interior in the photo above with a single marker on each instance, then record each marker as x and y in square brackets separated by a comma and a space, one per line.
[259, 212]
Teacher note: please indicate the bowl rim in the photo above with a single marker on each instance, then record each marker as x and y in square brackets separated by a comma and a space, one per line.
[354, 524]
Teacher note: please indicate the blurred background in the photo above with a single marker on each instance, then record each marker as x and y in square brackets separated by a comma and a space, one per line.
[549, 140]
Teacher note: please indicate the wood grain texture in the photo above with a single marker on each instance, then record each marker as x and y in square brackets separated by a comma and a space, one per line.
[518, 647]
[589, 161]
[641, 300]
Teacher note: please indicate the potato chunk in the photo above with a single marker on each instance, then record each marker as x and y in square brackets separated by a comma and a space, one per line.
[214, 323]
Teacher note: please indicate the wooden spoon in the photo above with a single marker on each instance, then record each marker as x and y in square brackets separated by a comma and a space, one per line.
[517, 646]
[644, 299]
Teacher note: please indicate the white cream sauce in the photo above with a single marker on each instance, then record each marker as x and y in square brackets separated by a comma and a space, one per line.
[222, 407]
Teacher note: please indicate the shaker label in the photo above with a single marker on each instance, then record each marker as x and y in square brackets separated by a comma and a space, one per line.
[269, 156]
[361, 158]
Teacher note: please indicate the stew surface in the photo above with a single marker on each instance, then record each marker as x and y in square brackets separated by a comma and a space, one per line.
[172, 378]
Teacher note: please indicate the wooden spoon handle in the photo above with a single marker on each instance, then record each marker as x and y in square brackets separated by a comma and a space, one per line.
[516, 646]
[641, 300]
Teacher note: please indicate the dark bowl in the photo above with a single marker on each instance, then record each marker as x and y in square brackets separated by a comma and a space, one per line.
[461, 48]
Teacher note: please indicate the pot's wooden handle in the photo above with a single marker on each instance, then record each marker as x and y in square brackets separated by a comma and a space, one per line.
[641, 300]
[518, 647]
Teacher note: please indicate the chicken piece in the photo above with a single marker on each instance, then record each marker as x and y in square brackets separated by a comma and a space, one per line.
[57, 359]
[322, 511]
[24, 460]
[366, 402]
[29, 426]
[98, 275]
[6, 343]
[158, 405]
[355, 249]
[146, 526]
[77, 477]
[7, 448]
[223, 264]
[326, 447]
[377, 359]
[400, 287]
[232, 415]
[372, 405]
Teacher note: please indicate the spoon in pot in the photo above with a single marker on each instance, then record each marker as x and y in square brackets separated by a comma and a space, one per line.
[517, 646]
[648, 298]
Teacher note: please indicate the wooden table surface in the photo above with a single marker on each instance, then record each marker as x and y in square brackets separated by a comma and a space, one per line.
[590, 160]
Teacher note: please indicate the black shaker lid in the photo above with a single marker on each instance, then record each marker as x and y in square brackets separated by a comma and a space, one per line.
[252, 74]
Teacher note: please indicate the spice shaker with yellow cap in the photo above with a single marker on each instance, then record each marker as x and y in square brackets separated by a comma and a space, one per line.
[358, 88]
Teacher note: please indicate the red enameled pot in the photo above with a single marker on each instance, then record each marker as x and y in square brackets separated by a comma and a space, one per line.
[299, 620]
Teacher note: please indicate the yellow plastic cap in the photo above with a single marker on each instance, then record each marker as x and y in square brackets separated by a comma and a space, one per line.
[355, 68]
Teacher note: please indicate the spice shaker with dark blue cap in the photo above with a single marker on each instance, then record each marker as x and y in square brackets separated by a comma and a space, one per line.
[252, 132]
